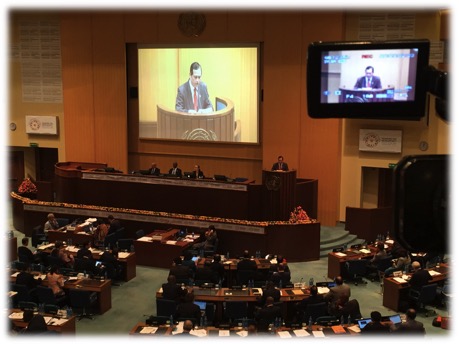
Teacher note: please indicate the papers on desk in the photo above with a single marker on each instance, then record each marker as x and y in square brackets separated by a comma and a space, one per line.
[301, 333]
[44, 247]
[390, 242]
[242, 333]
[171, 242]
[199, 332]
[298, 291]
[148, 329]
[257, 291]
[95, 250]
[192, 237]
[15, 274]
[148, 239]
[224, 333]
[72, 278]
[354, 328]
[322, 290]
[54, 321]
[284, 334]
[16, 315]
[434, 273]
[11, 293]
[160, 290]
[39, 276]
[188, 240]
[399, 280]
[179, 328]
[83, 233]
[340, 254]
[123, 254]
[227, 262]
[72, 249]
[318, 334]
[364, 250]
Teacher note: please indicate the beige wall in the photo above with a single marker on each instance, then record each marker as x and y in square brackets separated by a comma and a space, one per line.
[98, 129]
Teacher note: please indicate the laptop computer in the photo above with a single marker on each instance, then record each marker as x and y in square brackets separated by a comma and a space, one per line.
[396, 318]
[187, 174]
[363, 322]
[202, 305]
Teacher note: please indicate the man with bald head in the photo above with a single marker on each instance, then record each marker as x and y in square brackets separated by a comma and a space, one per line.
[339, 292]
[420, 276]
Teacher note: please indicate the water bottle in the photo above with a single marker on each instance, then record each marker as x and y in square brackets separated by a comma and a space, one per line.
[41, 308]
[201, 323]
[171, 321]
[132, 248]
[280, 284]
[190, 282]
[244, 323]
[349, 320]
[342, 320]
[204, 321]
[69, 312]
[227, 255]
[387, 236]
[69, 241]
[310, 323]
[311, 282]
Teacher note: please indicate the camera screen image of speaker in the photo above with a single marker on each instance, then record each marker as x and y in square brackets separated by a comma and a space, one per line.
[421, 202]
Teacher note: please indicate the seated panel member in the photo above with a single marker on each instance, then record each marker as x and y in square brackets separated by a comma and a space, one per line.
[154, 170]
[175, 171]
[280, 165]
[51, 223]
[197, 173]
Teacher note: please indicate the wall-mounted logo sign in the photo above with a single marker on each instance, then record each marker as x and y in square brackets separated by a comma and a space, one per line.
[44, 125]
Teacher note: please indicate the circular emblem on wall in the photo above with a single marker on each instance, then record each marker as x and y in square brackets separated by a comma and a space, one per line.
[272, 183]
[371, 140]
[191, 23]
[34, 124]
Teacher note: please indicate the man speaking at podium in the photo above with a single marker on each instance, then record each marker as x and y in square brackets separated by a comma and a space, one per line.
[368, 80]
[192, 96]
[280, 165]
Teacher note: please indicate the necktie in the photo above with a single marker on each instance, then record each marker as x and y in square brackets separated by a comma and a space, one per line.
[280, 166]
[195, 100]
[368, 82]
[173, 172]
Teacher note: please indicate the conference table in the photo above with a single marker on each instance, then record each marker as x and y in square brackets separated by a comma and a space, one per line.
[54, 322]
[289, 296]
[102, 288]
[126, 259]
[396, 288]
[319, 331]
[159, 248]
[230, 265]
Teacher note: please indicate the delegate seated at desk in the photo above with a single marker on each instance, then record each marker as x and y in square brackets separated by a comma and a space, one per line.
[197, 173]
[175, 171]
[51, 223]
[154, 170]
[192, 96]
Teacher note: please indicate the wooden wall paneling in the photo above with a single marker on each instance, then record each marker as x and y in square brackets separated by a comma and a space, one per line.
[77, 80]
[320, 148]
[141, 27]
[245, 26]
[281, 96]
[110, 91]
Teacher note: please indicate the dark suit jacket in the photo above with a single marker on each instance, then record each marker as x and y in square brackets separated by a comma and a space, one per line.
[181, 272]
[172, 291]
[184, 100]
[114, 226]
[188, 310]
[277, 167]
[26, 253]
[84, 252]
[266, 316]
[420, 278]
[178, 172]
[362, 82]
[154, 171]
[375, 327]
[27, 279]
[274, 293]
[410, 327]
[200, 174]
[246, 264]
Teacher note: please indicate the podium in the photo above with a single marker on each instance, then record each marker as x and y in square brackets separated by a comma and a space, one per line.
[279, 194]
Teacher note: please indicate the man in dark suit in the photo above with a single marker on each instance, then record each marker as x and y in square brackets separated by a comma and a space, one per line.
[197, 173]
[27, 279]
[270, 291]
[411, 326]
[368, 80]
[267, 314]
[25, 254]
[280, 165]
[420, 276]
[171, 290]
[115, 224]
[375, 326]
[154, 170]
[182, 273]
[188, 309]
[175, 171]
[187, 327]
[313, 298]
[246, 263]
[192, 96]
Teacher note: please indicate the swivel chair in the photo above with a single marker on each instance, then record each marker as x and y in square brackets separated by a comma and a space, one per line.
[81, 300]
[165, 307]
[423, 297]
[356, 270]
[46, 296]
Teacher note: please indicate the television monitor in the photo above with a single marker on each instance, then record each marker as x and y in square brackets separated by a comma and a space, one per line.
[158, 77]
[368, 79]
